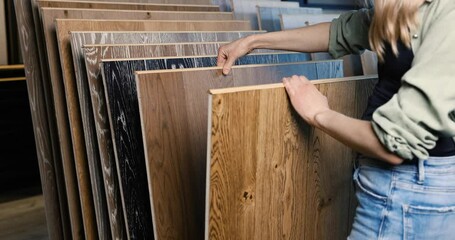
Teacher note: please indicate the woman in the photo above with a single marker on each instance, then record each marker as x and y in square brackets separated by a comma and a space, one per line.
[406, 178]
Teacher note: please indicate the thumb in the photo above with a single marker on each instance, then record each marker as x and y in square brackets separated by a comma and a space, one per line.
[228, 65]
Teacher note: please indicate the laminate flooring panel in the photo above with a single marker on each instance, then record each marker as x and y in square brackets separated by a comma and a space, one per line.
[64, 26]
[3, 42]
[53, 188]
[271, 175]
[95, 115]
[352, 63]
[82, 13]
[173, 115]
[246, 10]
[269, 17]
[128, 6]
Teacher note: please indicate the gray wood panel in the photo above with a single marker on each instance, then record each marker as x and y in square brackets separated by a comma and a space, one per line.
[47, 155]
[173, 111]
[271, 174]
[125, 127]
[269, 17]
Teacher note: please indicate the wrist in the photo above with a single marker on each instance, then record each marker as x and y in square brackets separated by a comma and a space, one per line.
[323, 118]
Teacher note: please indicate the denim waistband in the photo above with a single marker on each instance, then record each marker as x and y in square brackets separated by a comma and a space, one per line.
[431, 165]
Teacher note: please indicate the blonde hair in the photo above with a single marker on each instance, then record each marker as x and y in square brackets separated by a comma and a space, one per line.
[393, 20]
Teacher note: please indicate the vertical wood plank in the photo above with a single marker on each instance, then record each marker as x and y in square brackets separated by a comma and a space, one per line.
[3, 43]
[46, 158]
[311, 171]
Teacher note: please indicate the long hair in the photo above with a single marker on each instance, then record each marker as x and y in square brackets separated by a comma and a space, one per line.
[393, 21]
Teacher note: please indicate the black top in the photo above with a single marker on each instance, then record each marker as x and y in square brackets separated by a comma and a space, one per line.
[390, 74]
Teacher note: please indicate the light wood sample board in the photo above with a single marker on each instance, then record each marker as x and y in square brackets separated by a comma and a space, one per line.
[173, 113]
[128, 6]
[82, 13]
[271, 175]
[269, 17]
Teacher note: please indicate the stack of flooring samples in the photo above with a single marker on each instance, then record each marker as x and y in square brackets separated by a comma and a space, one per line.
[120, 96]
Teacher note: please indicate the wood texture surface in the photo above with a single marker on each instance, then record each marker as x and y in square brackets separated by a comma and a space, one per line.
[81, 13]
[47, 155]
[92, 77]
[271, 175]
[129, 6]
[12, 79]
[247, 9]
[269, 17]
[173, 107]
[49, 15]
[3, 43]
[352, 63]
[63, 29]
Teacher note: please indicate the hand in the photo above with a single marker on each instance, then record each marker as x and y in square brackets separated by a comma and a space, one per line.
[305, 98]
[227, 54]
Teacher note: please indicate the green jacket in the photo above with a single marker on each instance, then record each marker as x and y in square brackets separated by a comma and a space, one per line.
[424, 107]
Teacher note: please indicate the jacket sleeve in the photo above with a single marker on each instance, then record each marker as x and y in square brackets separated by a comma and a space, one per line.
[424, 107]
[349, 33]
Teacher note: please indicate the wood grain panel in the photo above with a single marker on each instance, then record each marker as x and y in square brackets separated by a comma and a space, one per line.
[129, 6]
[81, 13]
[64, 27]
[247, 9]
[47, 155]
[269, 17]
[173, 107]
[3, 43]
[270, 170]
[94, 81]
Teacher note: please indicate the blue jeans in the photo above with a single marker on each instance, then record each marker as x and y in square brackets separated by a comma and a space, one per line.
[406, 201]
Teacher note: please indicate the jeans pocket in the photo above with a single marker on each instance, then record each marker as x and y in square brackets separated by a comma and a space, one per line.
[367, 187]
[422, 222]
